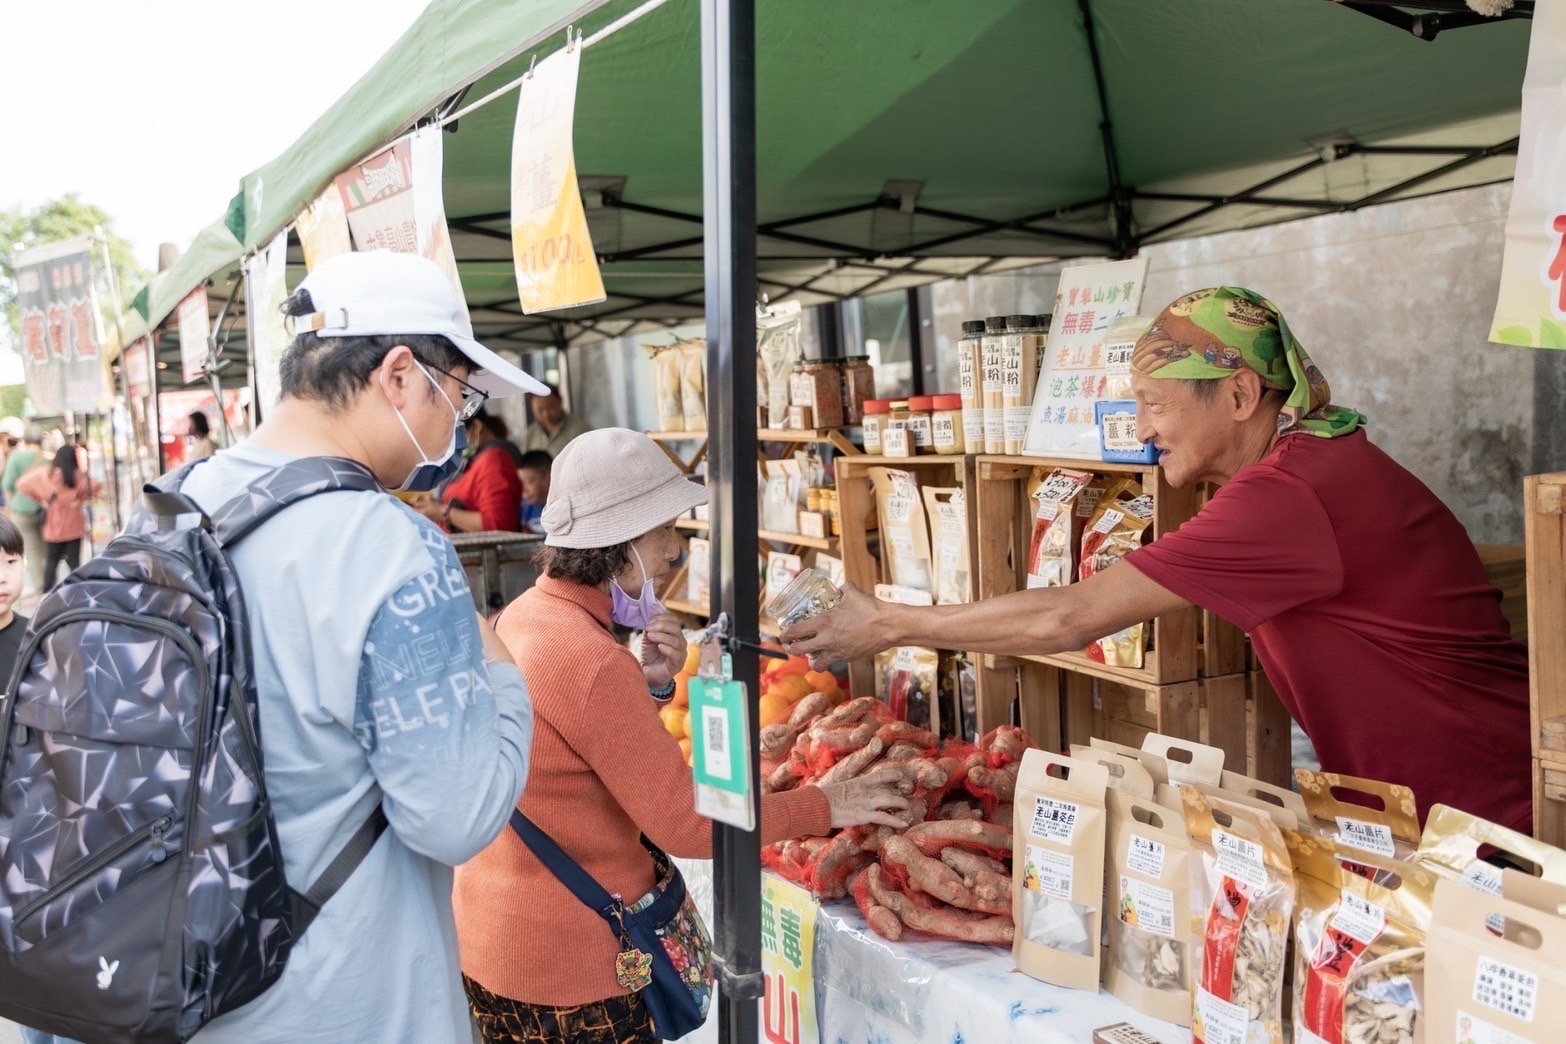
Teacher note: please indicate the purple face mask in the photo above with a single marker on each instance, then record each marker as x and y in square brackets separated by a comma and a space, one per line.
[635, 613]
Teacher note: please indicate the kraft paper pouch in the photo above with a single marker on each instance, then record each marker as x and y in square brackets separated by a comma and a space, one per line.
[1243, 888]
[1187, 760]
[1155, 764]
[948, 510]
[1488, 988]
[778, 347]
[1391, 832]
[667, 387]
[1147, 961]
[1359, 947]
[1449, 847]
[693, 384]
[907, 679]
[1059, 831]
[905, 537]
[1056, 527]
[1126, 773]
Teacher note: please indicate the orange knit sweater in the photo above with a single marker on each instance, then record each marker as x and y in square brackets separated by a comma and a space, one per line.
[603, 771]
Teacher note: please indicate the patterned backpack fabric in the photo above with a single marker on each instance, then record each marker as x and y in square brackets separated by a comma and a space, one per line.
[142, 890]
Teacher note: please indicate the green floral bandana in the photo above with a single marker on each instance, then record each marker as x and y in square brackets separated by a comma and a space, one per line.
[1212, 333]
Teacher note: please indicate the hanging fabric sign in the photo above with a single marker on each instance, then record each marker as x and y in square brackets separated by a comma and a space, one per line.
[394, 201]
[323, 228]
[194, 330]
[555, 263]
[61, 360]
[266, 286]
[1531, 308]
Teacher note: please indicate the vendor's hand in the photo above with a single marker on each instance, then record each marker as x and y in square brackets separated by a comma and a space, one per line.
[865, 799]
[849, 632]
[495, 650]
[663, 650]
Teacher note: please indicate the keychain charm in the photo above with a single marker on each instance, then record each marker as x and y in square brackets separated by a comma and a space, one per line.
[633, 969]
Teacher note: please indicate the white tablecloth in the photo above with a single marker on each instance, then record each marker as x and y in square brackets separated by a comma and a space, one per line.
[878, 992]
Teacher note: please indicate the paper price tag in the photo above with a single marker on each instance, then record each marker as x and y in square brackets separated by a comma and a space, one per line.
[1120, 433]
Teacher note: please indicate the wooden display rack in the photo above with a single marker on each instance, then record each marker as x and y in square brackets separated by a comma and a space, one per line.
[1544, 503]
[673, 593]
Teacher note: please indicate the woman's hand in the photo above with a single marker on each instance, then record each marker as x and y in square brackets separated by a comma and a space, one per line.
[663, 650]
[430, 508]
[865, 799]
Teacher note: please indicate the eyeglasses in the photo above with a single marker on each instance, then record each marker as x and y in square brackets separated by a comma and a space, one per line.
[473, 399]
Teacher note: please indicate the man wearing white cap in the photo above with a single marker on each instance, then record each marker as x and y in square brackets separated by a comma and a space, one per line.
[377, 680]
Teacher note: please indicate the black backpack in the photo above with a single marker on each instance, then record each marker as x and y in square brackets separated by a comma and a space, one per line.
[142, 890]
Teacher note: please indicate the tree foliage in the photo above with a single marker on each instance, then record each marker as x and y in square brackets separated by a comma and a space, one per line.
[60, 219]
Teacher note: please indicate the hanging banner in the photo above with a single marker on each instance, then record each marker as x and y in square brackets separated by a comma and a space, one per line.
[394, 201]
[266, 287]
[195, 329]
[1074, 373]
[323, 228]
[1531, 307]
[788, 944]
[61, 359]
[555, 263]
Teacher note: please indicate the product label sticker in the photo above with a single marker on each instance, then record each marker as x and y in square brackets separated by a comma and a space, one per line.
[1482, 877]
[1120, 433]
[1117, 358]
[1147, 907]
[1367, 837]
[1048, 872]
[1218, 1021]
[1145, 856]
[945, 431]
[895, 443]
[1108, 520]
[1471, 1029]
[1359, 918]
[1240, 860]
[1507, 989]
[1054, 820]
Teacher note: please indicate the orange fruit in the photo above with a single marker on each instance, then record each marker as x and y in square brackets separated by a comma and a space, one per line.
[693, 660]
[682, 690]
[685, 748]
[774, 709]
[685, 723]
[674, 720]
[822, 681]
[793, 688]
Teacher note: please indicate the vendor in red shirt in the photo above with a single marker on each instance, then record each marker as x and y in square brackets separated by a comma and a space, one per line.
[1364, 598]
[487, 496]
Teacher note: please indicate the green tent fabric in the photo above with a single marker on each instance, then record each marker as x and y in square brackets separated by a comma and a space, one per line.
[901, 141]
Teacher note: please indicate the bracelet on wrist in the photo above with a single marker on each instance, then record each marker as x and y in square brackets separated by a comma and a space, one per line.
[665, 693]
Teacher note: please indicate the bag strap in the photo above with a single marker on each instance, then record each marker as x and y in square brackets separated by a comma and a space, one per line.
[305, 906]
[261, 500]
[578, 881]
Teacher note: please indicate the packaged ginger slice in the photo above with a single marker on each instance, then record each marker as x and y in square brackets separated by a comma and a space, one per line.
[1148, 956]
[1390, 832]
[1056, 528]
[1450, 844]
[1116, 530]
[1359, 946]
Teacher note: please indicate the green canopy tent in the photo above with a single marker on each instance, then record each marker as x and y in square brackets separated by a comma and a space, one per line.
[895, 142]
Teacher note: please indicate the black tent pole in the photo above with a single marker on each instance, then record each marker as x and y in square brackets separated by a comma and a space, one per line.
[728, 74]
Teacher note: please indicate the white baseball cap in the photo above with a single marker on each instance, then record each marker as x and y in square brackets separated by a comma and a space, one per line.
[383, 293]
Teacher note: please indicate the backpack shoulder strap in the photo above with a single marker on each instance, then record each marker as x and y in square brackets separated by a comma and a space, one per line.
[295, 481]
[304, 906]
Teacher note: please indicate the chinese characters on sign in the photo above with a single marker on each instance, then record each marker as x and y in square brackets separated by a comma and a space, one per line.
[1075, 372]
[61, 357]
[788, 938]
[555, 263]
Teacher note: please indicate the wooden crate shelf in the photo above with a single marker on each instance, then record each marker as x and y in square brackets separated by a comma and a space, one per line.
[1005, 529]
[1544, 511]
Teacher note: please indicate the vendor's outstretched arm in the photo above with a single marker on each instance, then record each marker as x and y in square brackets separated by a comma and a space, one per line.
[1037, 622]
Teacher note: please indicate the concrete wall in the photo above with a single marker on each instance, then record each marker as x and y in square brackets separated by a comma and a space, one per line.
[1394, 304]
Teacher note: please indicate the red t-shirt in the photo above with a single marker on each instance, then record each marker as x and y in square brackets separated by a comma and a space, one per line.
[492, 487]
[1373, 617]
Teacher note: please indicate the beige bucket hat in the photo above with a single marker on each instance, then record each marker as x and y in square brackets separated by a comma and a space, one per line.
[612, 485]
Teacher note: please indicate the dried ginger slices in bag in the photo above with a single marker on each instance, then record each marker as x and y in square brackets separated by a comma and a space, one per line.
[1359, 947]
[1116, 531]
[1243, 888]
[1389, 833]
[1051, 550]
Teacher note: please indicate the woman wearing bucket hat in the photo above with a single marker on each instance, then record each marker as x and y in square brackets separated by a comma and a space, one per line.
[538, 963]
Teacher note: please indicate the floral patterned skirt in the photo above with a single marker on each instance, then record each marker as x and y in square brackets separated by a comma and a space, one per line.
[618, 1020]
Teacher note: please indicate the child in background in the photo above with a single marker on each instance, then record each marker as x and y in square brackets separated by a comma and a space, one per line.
[12, 577]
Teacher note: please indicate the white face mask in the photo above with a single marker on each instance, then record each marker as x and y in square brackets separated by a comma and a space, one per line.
[427, 473]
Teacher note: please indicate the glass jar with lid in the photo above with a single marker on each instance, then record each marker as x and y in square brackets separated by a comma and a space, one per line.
[858, 387]
[807, 596]
[877, 413]
[920, 408]
[948, 436]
